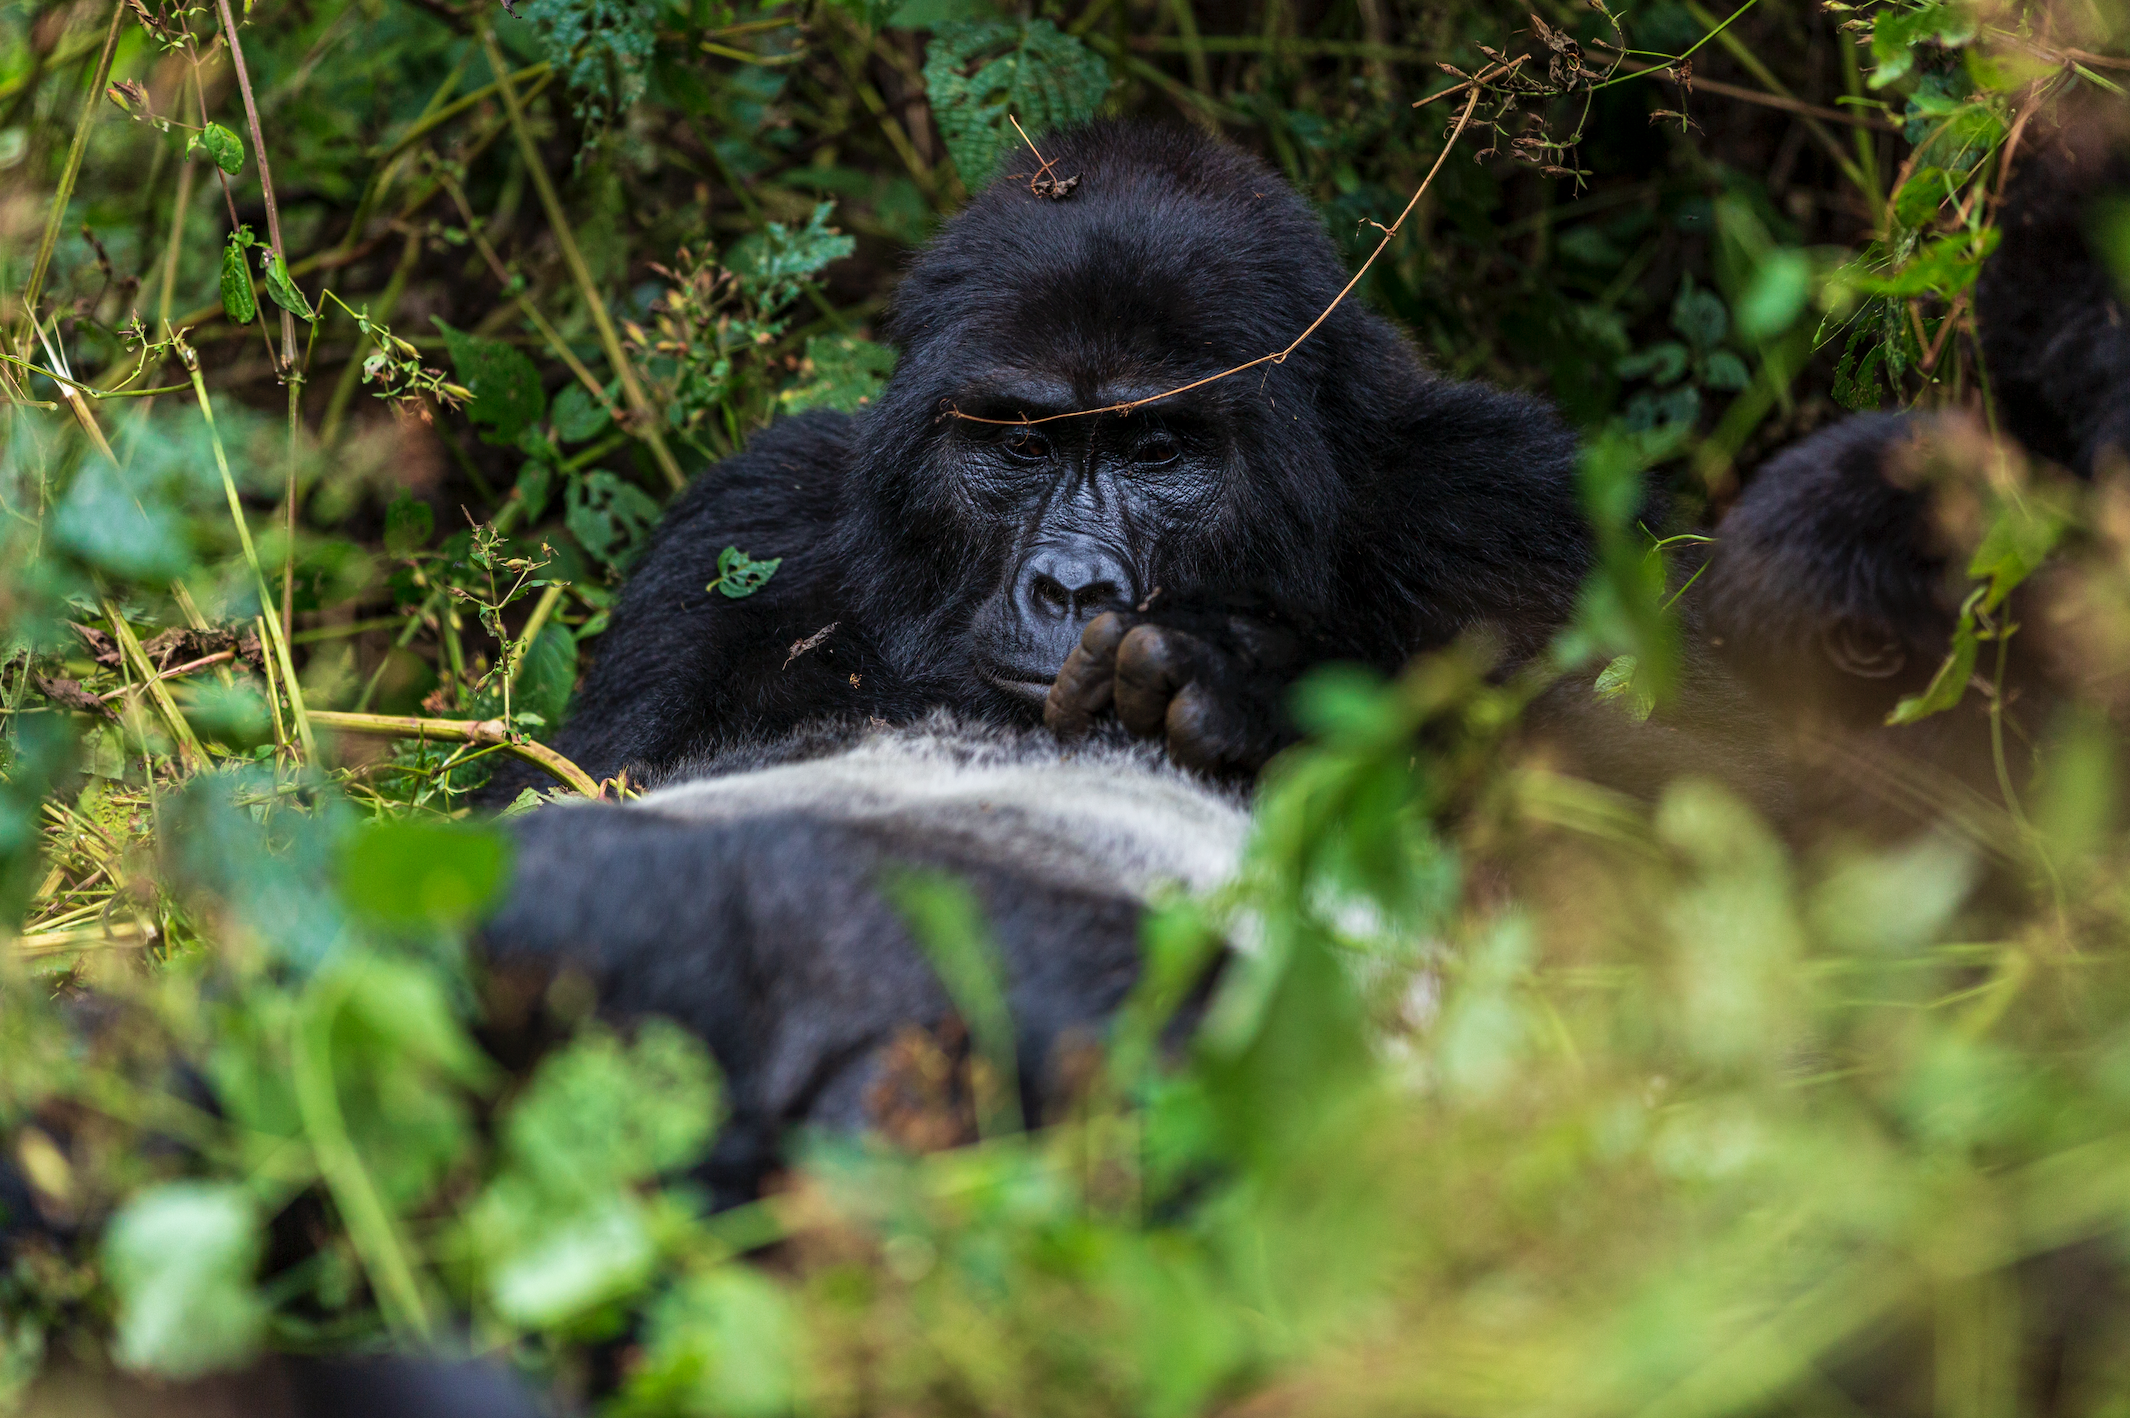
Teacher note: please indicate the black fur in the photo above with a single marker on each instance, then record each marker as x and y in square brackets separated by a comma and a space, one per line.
[1381, 507]
[2051, 312]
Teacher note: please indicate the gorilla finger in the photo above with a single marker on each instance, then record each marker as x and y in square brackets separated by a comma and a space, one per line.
[1201, 733]
[1152, 664]
[1082, 688]
[1079, 693]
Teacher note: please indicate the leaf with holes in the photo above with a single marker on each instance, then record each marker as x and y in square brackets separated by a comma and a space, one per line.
[840, 372]
[607, 516]
[740, 575]
[979, 72]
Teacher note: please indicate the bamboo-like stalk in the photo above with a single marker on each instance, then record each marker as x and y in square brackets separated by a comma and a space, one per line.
[190, 754]
[482, 731]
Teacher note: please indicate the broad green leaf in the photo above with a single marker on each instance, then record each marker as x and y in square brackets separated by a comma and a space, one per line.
[505, 384]
[282, 289]
[578, 415]
[979, 72]
[534, 481]
[840, 372]
[1780, 286]
[2019, 539]
[1920, 196]
[724, 1342]
[548, 674]
[409, 873]
[238, 301]
[180, 1258]
[219, 146]
[740, 575]
[1724, 370]
[578, 1262]
[408, 525]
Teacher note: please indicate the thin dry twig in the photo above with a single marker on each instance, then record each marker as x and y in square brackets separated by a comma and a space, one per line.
[1042, 184]
[1277, 356]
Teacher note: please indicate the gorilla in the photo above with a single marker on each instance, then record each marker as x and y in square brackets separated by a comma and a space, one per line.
[995, 546]
[1833, 593]
[951, 546]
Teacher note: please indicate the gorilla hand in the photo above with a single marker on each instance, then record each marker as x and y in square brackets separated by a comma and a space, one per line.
[1210, 684]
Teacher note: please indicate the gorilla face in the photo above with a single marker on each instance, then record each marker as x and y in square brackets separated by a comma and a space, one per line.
[1089, 501]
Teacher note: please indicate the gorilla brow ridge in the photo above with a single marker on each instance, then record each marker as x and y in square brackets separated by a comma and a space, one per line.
[948, 409]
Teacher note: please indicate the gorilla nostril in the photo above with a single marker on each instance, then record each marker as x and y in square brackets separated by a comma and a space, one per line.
[1095, 596]
[1049, 596]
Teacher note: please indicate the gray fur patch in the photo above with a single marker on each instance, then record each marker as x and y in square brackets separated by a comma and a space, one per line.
[1103, 816]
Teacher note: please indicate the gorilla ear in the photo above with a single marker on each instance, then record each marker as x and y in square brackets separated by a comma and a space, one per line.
[1863, 648]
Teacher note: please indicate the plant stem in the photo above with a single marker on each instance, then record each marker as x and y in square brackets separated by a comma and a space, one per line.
[266, 173]
[91, 106]
[565, 238]
[495, 732]
[271, 621]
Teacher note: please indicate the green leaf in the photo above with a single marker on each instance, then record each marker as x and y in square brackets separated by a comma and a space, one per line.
[772, 264]
[534, 481]
[578, 415]
[1616, 681]
[840, 372]
[219, 146]
[547, 675]
[740, 575]
[1776, 295]
[2018, 540]
[600, 1254]
[724, 1342]
[238, 301]
[1699, 316]
[1724, 370]
[408, 873]
[408, 525]
[1950, 682]
[505, 384]
[282, 289]
[180, 1258]
[979, 72]
[607, 516]
[1921, 196]
[1660, 363]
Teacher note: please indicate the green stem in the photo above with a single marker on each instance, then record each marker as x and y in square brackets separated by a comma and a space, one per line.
[91, 106]
[370, 1228]
[251, 557]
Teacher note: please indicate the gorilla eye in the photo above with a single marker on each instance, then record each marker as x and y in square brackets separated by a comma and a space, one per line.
[1027, 446]
[1156, 449]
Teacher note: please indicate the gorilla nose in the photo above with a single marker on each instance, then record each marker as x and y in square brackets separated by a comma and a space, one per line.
[1071, 584]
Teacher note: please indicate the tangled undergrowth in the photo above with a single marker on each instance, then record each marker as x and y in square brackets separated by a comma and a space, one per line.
[351, 349]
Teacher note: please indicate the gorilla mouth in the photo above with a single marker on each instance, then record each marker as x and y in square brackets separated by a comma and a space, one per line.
[1020, 683]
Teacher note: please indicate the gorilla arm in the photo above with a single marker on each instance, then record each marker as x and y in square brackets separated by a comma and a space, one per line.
[682, 665]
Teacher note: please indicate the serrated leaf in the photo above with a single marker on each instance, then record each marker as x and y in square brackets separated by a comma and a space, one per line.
[219, 146]
[282, 289]
[978, 72]
[507, 397]
[772, 263]
[578, 415]
[239, 302]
